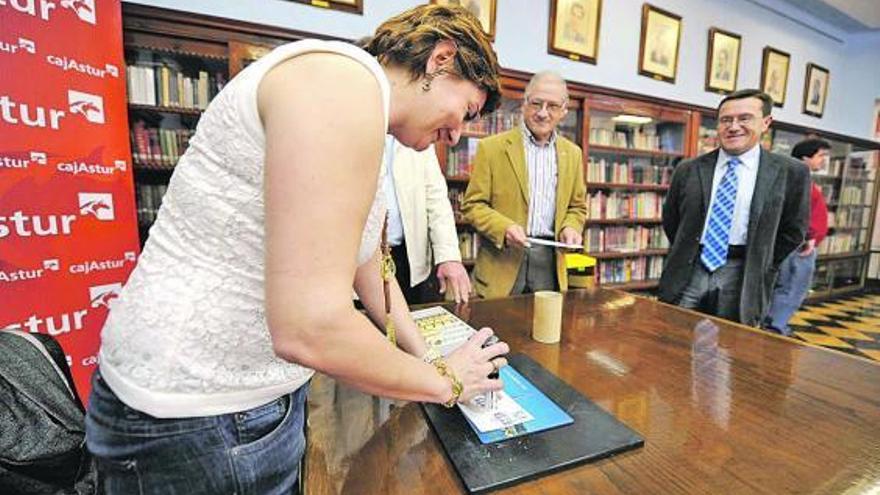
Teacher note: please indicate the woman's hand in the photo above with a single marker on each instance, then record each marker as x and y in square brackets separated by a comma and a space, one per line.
[472, 363]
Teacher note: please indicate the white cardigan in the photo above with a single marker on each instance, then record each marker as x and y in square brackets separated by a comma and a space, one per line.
[425, 210]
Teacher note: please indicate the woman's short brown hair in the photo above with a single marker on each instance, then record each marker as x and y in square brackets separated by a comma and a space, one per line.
[407, 40]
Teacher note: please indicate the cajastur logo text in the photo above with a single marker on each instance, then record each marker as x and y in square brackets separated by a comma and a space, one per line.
[44, 9]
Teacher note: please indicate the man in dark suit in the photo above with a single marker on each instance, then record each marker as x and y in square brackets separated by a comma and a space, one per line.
[732, 216]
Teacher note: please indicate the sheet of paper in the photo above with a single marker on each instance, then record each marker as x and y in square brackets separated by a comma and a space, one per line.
[506, 413]
[545, 242]
[442, 330]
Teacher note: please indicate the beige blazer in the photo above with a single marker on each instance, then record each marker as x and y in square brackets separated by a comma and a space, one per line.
[498, 197]
[428, 222]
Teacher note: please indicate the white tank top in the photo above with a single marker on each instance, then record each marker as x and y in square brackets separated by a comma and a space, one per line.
[188, 335]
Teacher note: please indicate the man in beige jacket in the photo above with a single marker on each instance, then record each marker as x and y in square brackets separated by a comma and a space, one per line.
[527, 182]
[421, 226]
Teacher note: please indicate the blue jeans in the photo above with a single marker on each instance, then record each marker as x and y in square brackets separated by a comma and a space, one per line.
[792, 285]
[250, 452]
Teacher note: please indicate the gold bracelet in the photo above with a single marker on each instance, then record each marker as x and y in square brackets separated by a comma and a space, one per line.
[431, 355]
[457, 387]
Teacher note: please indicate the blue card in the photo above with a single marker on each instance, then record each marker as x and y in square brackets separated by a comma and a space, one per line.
[545, 412]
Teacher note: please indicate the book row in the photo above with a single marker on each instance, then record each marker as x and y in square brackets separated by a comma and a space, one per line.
[630, 270]
[619, 205]
[494, 123]
[158, 147]
[162, 85]
[149, 199]
[841, 242]
[627, 172]
[459, 160]
[624, 239]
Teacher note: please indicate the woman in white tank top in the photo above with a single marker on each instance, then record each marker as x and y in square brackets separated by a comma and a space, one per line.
[270, 219]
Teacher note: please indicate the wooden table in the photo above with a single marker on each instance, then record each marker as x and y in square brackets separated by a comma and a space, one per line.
[723, 409]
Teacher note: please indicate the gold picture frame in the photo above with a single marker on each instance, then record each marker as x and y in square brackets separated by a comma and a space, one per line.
[574, 29]
[483, 9]
[722, 61]
[816, 89]
[659, 44]
[352, 6]
[774, 74]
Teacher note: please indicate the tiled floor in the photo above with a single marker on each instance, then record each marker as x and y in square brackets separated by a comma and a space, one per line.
[850, 324]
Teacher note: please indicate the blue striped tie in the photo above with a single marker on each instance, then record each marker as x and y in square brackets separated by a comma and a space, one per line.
[717, 236]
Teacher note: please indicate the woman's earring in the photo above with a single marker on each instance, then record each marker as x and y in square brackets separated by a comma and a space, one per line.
[429, 77]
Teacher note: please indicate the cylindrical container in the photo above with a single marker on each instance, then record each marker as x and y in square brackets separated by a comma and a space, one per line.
[547, 321]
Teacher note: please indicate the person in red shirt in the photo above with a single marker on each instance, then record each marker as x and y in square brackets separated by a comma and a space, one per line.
[796, 271]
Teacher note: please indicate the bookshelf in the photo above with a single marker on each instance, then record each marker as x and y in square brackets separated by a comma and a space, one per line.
[849, 185]
[631, 148]
[176, 62]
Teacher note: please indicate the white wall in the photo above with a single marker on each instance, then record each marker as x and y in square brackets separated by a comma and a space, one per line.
[521, 42]
[863, 79]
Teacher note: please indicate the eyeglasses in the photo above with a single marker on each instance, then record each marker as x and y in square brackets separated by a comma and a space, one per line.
[537, 105]
[743, 120]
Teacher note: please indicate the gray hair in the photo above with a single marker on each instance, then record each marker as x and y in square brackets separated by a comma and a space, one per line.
[544, 75]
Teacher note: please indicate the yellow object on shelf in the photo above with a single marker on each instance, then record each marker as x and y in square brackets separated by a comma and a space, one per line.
[579, 261]
[581, 270]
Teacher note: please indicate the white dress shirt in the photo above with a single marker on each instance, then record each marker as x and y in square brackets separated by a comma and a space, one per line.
[542, 170]
[746, 173]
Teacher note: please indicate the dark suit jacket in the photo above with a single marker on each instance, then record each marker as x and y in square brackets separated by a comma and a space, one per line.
[778, 220]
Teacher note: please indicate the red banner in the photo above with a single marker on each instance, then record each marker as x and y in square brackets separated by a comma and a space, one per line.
[68, 230]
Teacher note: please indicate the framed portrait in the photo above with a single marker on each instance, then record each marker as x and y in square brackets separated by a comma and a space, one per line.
[774, 74]
[483, 9]
[722, 61]
[658, 49]
[574, 29]
[816, 90]
[353, 6]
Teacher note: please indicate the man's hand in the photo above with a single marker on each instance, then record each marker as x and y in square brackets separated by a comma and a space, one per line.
[808, 249]
[571, 236]
[453, 275]
[516, 236]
